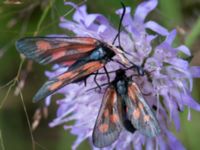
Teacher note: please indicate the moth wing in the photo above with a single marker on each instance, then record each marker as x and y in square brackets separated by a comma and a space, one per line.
[56, 50]
[67, 77]
[108, 124]
[139, 113]
[123, 114]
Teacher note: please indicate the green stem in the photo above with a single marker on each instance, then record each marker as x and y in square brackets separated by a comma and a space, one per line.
[1, 140]
[194, 34]
[44, 14]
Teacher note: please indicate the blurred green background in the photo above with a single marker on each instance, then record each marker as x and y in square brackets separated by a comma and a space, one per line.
[41, 17]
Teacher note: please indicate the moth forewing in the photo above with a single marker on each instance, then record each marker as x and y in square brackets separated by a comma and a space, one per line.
[65, 78]
[82, 55]
[119, 53]
[140, 113]
[108, 124]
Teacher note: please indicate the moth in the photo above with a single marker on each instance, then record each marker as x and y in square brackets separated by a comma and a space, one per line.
[82, 55]
[123, 107]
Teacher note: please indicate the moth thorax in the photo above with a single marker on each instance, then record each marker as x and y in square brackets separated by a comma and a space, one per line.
[121, 87]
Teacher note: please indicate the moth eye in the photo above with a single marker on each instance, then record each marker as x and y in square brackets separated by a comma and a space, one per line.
[114, 118]
[103, 128]
[43, 45]
[136, 113]
[146, 118]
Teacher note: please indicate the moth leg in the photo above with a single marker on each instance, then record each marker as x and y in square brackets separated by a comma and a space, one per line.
[85, 82]
[106, 71]
[140, 70]
[95, 80]
[119, 63]
[148, 74]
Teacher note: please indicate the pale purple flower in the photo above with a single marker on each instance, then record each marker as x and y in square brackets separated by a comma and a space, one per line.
[172, 78]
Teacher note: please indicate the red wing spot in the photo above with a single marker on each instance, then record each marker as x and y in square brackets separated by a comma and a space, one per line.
[88, 68]
[67, 75]
[68, 63]
[92, 65]
[43, 45]
[76, 49]
[63, 44]
[134, 85]
[87, 40]
[88, 65]
[114, 118]
[58, 55]
[136, 113]
[83, 49]
[111, 96]
[126, 109]
[55, 85]
[131, 93]
[146, 118]
[106, 113]
[141, 106]
[103, 128]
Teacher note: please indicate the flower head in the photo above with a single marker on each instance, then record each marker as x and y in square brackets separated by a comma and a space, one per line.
[169, 90]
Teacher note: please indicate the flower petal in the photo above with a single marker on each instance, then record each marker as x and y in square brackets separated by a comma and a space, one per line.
[189, 101]
[156, 28]
[143, 10]
[173, 142]
[171, 37]
[184, 49]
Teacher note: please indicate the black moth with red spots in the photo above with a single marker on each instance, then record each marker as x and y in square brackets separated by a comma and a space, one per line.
[82, 55]
[123, 107]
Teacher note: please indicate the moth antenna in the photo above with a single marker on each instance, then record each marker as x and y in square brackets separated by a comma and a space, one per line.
[120, 24]
[98, 87]
[127, 68]
[119, 32]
